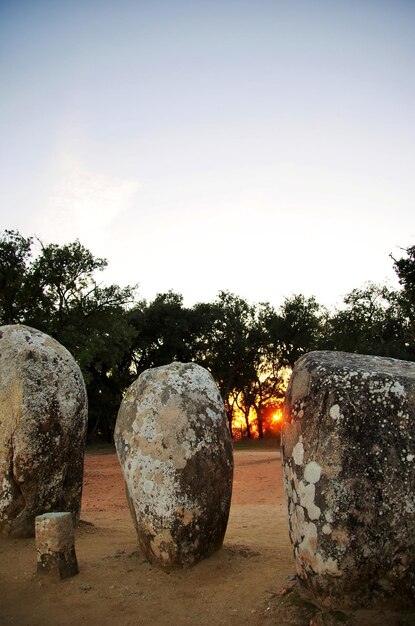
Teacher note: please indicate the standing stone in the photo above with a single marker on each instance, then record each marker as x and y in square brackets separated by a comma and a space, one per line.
[175, 451]
[55, 545]
[43, 417]
[349, 470]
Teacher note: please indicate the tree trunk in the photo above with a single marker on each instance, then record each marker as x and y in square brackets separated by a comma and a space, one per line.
[260, 428]
[259, 421]
[248, 425]
[229, 415]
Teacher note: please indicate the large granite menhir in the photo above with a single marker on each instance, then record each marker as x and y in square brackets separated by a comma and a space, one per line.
[349, 469]
[43, 418]
[175, 451]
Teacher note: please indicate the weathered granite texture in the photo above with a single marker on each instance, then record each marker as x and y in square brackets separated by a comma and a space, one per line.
[43, 418]
[175, 451]
[55, 545]
[349, 468]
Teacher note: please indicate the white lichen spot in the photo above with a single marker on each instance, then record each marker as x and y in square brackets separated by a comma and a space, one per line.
[326, 529]
[191, 435]
[187, 449]
[330, 566]
[335, 412]
[308, 557]
[397, 389]
[409, 505]
[312, 472]
[410, 457]
[6, 495]
[148, 486]
[297, 524]
[313, 511]
[214, 415]
[298, 452]
[307, 548]
[307, 494]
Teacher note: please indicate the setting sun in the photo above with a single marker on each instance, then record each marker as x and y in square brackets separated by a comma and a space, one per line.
[277, 417]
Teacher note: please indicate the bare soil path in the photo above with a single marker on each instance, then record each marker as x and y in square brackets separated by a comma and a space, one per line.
[239, 585]
[117, 586]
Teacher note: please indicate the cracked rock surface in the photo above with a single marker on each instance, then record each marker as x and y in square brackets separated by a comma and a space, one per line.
[43, 419]
[349, 470]
[175, 451]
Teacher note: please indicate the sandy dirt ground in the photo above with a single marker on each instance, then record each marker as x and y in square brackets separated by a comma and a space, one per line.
[116, 585]
[240, 584]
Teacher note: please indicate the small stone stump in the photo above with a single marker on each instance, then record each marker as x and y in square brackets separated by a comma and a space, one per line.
[55, 545]
[348, 452]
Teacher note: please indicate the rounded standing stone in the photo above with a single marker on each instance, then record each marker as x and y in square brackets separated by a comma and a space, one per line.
[349, 467]
[43, 419]
[175, 451]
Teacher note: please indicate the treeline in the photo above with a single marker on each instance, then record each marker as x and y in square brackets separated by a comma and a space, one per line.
[249, 348]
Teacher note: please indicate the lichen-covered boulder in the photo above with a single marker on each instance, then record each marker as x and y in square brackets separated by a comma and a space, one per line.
[43, 418]
[175, 451]
[349, 468]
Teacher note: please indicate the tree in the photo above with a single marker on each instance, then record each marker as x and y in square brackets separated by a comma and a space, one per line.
[272, 360]
[232, 341]
[164, 332]
[372, 322]
[57, 293]
[248, 348]
[98, 333]
[405, 269]
[225, 343]
[298, 327]
[15, 253]
[61, 278]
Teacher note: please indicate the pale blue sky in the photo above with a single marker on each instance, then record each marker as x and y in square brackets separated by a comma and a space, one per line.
[263, 147]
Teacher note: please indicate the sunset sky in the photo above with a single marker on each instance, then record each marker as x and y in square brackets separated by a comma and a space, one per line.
[263, 147]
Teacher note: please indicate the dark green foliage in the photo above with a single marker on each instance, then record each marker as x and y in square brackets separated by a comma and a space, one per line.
[163, 332]
[227, 344]
[15, 252]
[247, 348]
[405, 269]
[373, 321]
[57, 294]
[298, 327]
